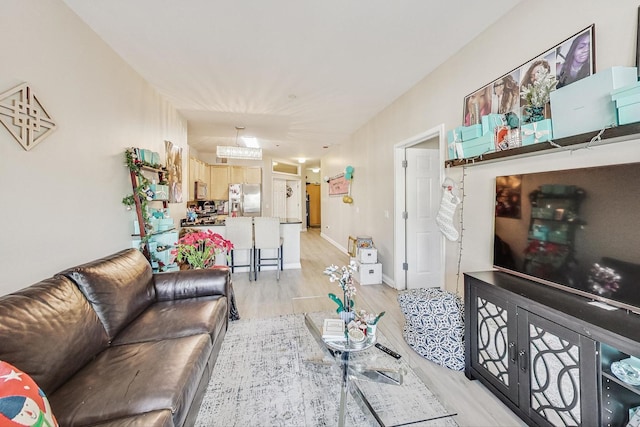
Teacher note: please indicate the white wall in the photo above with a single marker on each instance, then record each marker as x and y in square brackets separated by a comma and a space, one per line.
[525, 32]
[61, 201]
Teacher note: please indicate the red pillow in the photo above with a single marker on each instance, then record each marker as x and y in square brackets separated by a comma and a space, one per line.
[22, 402]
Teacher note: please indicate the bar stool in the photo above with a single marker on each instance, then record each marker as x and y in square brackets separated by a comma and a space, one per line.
[239, 230]
[267, 236]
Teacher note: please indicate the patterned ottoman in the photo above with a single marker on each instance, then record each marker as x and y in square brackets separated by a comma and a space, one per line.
[434, 325]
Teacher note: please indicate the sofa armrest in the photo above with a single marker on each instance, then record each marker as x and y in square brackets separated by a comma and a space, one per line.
[192, 283]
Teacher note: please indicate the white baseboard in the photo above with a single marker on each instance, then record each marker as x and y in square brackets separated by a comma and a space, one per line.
[334, 243]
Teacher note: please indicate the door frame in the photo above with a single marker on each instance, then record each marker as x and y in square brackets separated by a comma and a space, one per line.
[399, 229]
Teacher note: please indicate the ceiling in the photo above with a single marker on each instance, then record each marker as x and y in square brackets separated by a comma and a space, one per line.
[299, 75]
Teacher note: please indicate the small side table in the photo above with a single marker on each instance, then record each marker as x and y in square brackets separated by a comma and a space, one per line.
[340, 351]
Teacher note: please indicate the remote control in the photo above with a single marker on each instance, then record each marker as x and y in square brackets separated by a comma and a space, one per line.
[388, 351]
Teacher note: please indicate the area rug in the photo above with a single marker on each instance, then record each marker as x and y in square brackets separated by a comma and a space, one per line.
[265, 376]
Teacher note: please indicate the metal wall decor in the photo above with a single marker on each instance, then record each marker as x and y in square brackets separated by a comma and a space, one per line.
[24, 116]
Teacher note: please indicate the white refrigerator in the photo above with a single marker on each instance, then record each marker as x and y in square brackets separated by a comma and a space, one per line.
[244, 200]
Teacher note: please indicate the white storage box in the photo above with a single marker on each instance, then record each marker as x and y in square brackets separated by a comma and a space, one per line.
[369, 274]
[367, 256]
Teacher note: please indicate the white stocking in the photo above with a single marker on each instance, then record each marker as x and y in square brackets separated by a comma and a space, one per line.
[444, 219]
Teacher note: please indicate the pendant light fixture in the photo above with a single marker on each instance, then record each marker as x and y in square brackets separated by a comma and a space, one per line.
[237, 152]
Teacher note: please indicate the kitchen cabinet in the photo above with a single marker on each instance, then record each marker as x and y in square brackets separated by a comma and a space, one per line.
[198, 171]
[547, 353]
[236, 174]
[219, 182]
[245, 175]
[218, 178]
[253, 175]
[192, 178]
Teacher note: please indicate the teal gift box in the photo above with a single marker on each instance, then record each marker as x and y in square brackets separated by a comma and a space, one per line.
[540, 232]
[478, 146]
[586, 105]
[490, 122]
[160, 191]
[471, 132]
[627, 101]
[535, 132]
[454, 136]
[558, 236]
[155, 158]
[629, 114]
[625, 92]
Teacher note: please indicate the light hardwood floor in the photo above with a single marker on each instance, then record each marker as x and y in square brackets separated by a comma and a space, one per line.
[306, 290]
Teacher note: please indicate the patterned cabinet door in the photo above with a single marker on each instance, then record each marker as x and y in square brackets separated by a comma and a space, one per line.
[493, 324]
[558, 373]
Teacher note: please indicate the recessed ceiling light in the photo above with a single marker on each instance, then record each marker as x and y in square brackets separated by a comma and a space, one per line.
[301, 160]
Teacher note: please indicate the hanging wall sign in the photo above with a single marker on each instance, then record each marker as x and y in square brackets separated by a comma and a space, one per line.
[338, 185]
[24, 116]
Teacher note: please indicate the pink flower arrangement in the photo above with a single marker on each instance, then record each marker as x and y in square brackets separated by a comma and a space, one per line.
[199, 249]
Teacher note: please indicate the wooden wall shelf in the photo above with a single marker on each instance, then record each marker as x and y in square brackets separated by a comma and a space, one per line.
[614, 134]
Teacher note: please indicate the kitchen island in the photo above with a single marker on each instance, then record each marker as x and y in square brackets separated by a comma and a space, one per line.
[289, 231]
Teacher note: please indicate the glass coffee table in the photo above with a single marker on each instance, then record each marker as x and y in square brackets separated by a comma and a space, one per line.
[367, 371]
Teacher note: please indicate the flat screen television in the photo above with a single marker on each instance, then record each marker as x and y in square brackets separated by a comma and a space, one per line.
[575, 229]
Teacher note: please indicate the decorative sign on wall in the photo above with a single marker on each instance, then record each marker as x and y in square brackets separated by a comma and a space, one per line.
[24, 116]
[338, 185]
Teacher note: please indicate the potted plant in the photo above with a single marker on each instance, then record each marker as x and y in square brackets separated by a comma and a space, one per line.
[198, 249]
[536, 96]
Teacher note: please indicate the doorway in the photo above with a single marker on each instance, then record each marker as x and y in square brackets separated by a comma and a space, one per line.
[418, 244]
[287, 198]
[313, 208]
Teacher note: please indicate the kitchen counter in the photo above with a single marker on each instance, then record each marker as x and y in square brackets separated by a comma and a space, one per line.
[220, 222]
[289, 230]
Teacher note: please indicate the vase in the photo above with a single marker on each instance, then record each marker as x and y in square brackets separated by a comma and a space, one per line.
[347, 314]
[371, 329]
[534, 114]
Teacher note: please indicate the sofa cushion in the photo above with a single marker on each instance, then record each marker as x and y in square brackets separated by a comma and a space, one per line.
[129, 380]
[119, 287]
[50, 331]
[22, 402]
[162, 418]
[174, 319]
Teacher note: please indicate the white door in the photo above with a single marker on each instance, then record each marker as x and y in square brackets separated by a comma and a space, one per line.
[279, 198]
[423, 238]
[294, 208]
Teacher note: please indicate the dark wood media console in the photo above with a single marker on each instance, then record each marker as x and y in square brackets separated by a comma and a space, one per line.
[547, 353]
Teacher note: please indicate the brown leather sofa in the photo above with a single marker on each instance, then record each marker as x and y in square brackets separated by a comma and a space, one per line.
[112, 344]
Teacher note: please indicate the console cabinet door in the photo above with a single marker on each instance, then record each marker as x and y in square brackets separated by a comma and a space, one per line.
[557, 373]
[493, 340]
